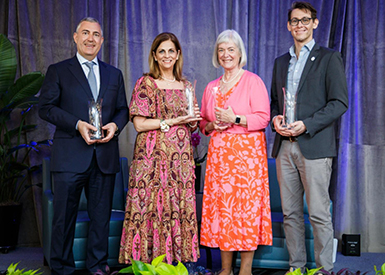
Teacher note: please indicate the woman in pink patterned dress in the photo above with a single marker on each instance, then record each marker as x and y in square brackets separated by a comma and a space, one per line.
[235, 113]
[160, 213]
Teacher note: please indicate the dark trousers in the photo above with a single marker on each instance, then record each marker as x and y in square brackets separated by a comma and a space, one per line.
[68, 187]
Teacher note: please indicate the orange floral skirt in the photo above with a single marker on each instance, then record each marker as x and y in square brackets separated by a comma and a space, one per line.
[236, 203]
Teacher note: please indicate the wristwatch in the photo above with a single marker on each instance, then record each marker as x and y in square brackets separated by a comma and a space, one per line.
[237, 119]
[164, 127]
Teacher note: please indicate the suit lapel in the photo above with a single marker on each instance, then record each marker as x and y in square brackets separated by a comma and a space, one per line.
[309, 63]
[285, 69]
[77, 71]
[104, 78]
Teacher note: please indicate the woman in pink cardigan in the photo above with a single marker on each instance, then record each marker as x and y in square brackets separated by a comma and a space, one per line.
[235, 112]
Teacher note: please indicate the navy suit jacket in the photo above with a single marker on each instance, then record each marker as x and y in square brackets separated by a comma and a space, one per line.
[322, 98]
[64, 99]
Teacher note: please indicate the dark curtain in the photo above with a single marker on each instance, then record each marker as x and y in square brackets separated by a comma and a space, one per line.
[42, 31]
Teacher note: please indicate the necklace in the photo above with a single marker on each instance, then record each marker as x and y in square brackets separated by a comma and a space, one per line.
[223, 77]
[169, 80]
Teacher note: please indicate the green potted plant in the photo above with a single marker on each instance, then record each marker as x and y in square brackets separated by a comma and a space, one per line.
[320, 270]
[157, 267]
[16, 99]
[298, 271]
[380, 271]
[12, 270]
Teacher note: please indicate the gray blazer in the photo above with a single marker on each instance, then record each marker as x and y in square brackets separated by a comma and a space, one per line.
[321, 99]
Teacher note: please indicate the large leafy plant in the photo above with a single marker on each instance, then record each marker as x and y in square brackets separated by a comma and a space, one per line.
[380, 271]
[157, 267]
[12, 270]
[15, 96]
[320, 270]
[298, 271]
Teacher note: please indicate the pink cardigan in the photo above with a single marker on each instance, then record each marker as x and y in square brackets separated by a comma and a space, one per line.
[249, 98]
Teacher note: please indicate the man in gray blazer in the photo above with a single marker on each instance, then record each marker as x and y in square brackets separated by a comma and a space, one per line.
[313, 79]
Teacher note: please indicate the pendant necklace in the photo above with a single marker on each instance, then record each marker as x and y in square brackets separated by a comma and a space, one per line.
[223, 77]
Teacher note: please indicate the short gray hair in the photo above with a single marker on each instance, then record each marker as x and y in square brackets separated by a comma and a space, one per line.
[91, 20]
[224, 37]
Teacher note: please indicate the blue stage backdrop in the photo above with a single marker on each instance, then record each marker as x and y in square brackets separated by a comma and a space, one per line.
[42, 31]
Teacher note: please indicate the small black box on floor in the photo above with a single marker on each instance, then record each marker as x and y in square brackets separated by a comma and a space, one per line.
[351, 244]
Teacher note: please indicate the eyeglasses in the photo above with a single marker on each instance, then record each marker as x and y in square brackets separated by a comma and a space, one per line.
[304, 20]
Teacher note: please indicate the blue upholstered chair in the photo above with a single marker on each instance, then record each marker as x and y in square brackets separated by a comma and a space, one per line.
[277, 256]
[80, 241]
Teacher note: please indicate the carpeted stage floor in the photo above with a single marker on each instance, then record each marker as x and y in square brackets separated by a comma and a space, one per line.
[32, 258]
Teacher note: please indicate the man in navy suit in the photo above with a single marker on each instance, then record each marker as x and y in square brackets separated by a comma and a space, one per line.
[313, 78]
[77, 160]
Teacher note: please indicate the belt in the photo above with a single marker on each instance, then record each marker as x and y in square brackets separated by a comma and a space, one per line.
[291, 139]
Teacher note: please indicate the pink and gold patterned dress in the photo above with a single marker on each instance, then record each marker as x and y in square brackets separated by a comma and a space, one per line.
[236, 203]
[160, 213]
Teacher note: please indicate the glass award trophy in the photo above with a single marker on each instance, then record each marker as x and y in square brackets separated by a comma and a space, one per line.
[190, 96]
[217, 95]
[289, 108]
[95, 115]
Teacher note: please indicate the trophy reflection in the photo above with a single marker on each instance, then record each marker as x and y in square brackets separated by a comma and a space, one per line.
[218, 96]
[95, 115]
[189, 92]
[289, 108]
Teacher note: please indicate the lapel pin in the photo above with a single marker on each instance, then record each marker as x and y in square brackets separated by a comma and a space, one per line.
[313, 58]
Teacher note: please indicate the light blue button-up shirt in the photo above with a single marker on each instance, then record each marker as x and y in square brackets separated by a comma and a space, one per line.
[86, 70]
[296, 66]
